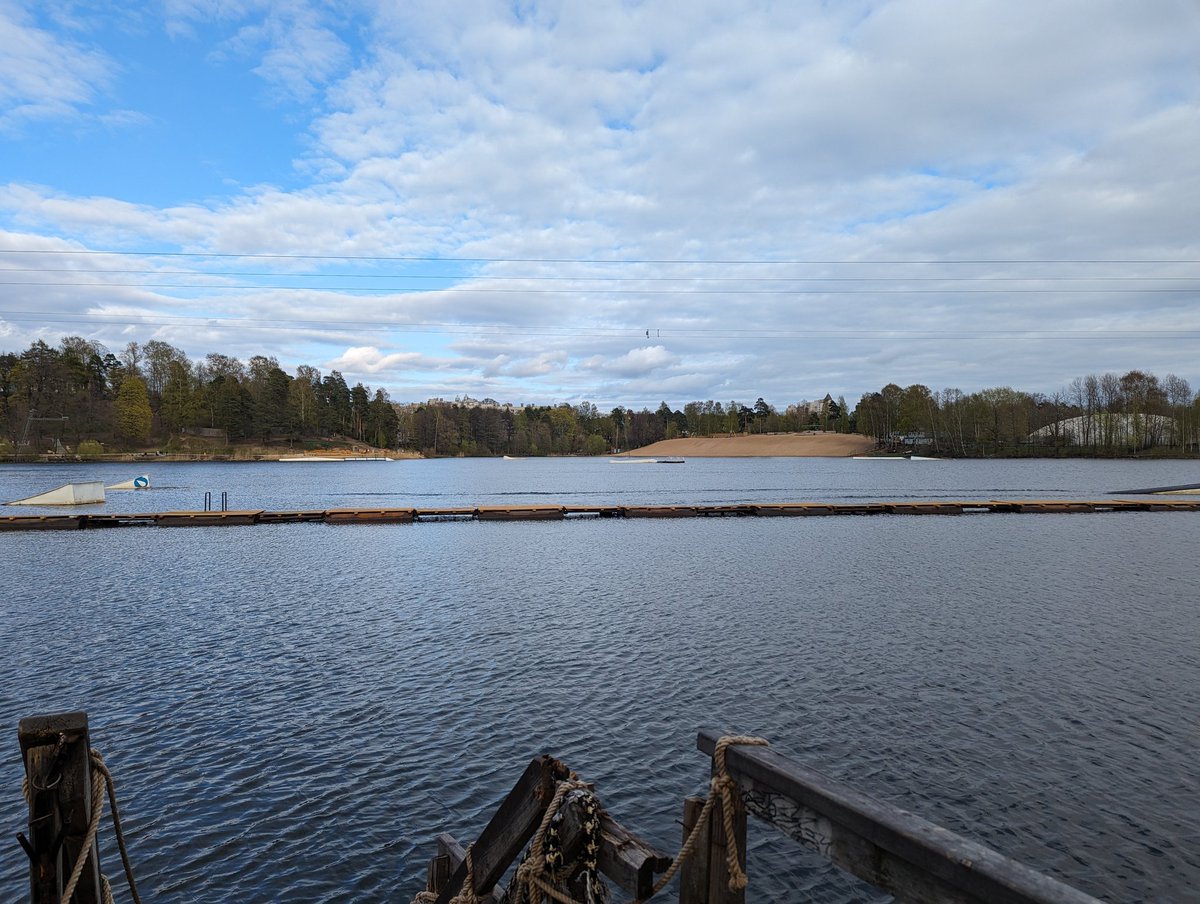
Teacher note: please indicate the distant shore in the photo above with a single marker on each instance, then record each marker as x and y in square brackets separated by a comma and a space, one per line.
[767, 445]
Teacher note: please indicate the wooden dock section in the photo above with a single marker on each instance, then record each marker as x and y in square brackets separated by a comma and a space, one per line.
[364, 515]
[898, 852]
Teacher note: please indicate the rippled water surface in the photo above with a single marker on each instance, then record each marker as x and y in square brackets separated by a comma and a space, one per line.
[292, 712]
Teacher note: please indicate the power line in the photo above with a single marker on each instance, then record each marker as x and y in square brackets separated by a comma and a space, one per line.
[721, 334]
[489, 290]
[573, 279]
[226, 255]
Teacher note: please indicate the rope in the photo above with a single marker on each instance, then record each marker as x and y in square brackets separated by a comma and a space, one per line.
[90, 838]
[467, 894]
[725, 784]
[99, 766]
[101, 779]
[530, 872]
[722, 784]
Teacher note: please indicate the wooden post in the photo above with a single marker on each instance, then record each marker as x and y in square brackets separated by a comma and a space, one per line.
[449, 857]
[55, 751]
[719, 891]
[693, 873]
[513, 824]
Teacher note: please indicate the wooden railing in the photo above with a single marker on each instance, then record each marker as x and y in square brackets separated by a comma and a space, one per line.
[893, 849]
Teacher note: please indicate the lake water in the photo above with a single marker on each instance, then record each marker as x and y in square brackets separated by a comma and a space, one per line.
[292, 712]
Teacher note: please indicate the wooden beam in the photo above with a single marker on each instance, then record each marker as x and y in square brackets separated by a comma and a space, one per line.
[693, 872]
[452, 855]
[624, 858]
[515, 821]
[897, 851]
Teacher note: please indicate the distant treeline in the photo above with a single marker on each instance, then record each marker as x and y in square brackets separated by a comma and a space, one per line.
[80, 396]
[1095, 415]
[470, 427]
[153, 394]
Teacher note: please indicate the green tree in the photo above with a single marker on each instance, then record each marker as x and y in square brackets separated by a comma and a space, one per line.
[360, 404]
[132, 409]
[180, 404]
[383, 425]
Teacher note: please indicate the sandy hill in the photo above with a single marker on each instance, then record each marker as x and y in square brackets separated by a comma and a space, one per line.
[832, 445]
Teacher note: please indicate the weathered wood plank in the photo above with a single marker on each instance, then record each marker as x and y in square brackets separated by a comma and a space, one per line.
[452, 854]
[368, 515]
[693, 872]
[891, 848]
[658, 511]
[519, 513]
[515, 821]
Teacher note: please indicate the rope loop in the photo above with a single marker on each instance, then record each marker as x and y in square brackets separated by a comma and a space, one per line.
[723, 787]
[467, 894]
[102, 780]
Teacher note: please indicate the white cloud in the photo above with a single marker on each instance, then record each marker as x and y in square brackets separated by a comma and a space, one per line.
[43, 75]
[370, 360]
[636, 362]
[546, 135]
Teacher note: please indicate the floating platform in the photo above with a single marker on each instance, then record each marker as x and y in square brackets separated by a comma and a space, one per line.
[141, 482]
[1187, 489]
[87, 493]
[575, 512]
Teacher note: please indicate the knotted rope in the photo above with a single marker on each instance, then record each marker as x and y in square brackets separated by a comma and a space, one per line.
[530, 873]
[724, 786]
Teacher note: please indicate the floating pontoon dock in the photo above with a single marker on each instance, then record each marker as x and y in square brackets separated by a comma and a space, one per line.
[568, 512]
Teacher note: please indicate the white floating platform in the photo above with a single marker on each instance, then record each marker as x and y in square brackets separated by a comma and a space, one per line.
[294, 458]
[90, 493]
[141, 482]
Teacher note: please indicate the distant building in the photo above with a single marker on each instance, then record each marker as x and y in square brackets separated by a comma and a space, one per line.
[1140, 430]
[807, 409]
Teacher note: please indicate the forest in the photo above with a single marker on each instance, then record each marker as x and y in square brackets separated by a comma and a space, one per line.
[1134, 413]
[81, 398]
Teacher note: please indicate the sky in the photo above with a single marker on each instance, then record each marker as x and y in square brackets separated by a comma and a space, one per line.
[615, 201]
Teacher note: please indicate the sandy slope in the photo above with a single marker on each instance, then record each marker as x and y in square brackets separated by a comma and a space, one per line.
[745, 446]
